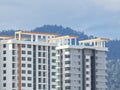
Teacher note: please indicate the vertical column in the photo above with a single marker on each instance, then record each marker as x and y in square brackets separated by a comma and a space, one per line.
[70, 41]
[75, 41]
[49, 70]
[32, 38]
[20, 66]
[34, 67]
[20, 37]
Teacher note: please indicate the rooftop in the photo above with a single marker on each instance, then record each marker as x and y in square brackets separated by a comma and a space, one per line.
[55, 38]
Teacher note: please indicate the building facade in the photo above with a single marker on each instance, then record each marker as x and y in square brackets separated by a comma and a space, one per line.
[43, 61]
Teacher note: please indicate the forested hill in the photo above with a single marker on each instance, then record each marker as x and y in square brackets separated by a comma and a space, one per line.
[114, 45]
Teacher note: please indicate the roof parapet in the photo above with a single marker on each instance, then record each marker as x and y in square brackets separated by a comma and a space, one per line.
[97, 42]
[64, 40]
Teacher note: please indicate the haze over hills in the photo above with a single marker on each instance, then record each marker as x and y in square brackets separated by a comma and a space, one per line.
[113, 45]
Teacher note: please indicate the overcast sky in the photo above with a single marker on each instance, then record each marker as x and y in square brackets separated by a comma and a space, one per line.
[96, 17]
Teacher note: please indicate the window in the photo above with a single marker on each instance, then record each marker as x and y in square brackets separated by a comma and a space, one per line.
[13, 58]
[44, 80]
[53, 67]
[53, 48]
[87, 78]
[44, 48]
[44, 87]
[67, 87]
[87, 66]
[87, 60]
[13, 52]
[43, 54]
[53, 73]
[29, 59]
[28, 46]
[29, 72]
[29, 85]
[44, 67]
[44, 37]
[23, 65]
[87, 72]
[13, 65]
[13, 72]
[39, 47]
[23, 84]
[39, 60]
[4, 52]
[23, 52]
[4, 84]
[87, 85]
[44, 74]
[67, 56]
[23, 58]
[4, 45]
[39, 73]
[53, 79]
[29, 78]
[39, 80]
[23, 71]
[39, 86]
[4, 65]
[39, 54]
[53, 54]
[4, 58]
[78, 56]
[29, 53]
[23, 78]
[67, 68]
[53, 86]
[4, 71]
[29, 65]
[44, 61]
[13, 45]
[67, 75]
[13, 85]
[39, 67]
[53, 60]
[67, 81]
[4, 78]
[23, 46]
[67, 62]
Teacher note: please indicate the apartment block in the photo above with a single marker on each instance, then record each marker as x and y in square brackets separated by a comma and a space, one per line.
[45, 61]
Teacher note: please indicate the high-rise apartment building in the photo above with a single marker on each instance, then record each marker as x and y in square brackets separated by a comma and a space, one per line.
[43, 61]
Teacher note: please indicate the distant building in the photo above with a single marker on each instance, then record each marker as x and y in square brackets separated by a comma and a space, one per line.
[44, 61]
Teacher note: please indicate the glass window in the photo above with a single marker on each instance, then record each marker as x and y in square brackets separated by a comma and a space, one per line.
[29, 85]
[23, 52]
[29, 52]
[29, 72]
[29, 59]
[53, 48]
[23, 46]
[4, 78]
[29, 78]
[4, 58]
[29, 65]
[28, 46]
[4, 65]
[4, 52]
[4, 45]
[23, 84]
